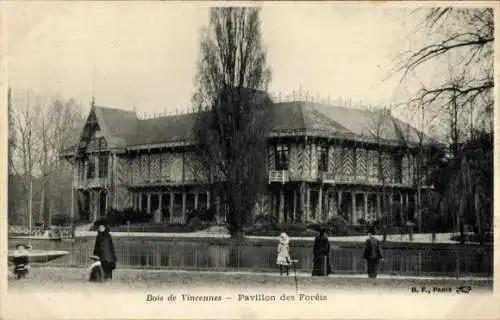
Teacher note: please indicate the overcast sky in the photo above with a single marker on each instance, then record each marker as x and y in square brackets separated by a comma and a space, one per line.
[144, 54]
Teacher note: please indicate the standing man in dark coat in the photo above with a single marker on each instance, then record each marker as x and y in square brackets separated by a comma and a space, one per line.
[321, 255]
[105, 250]
[372, 254]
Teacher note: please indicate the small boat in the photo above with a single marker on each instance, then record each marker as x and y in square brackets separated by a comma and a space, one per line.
[40, 256]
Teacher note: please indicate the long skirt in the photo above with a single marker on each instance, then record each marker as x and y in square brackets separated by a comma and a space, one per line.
[372, 267]
[321, 266]
[107, 268]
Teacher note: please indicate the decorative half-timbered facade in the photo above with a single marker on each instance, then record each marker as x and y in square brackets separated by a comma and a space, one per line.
[322, 161]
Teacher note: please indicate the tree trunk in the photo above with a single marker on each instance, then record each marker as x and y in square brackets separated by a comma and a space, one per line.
[42, 205]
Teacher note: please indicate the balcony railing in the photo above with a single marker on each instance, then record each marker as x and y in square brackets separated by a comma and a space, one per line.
[90, 183]
[278, 176]
[163, 181]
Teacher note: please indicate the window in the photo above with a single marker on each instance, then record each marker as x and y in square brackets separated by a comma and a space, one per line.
[103, 166]
[91, 168]
[282, 157]
[398, 168]
[323, 158]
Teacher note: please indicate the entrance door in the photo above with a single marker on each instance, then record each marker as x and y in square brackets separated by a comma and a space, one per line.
[288, 205]
[102, 204]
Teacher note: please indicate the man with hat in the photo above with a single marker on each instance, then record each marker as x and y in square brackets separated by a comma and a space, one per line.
[372, 253]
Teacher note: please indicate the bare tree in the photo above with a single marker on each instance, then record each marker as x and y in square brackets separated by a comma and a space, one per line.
[42, 126]
[462, 38]
[231, 134]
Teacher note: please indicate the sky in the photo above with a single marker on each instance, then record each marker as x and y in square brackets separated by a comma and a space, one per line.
[143, 55]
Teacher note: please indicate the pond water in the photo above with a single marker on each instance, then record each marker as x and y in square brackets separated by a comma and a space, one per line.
[205, 254]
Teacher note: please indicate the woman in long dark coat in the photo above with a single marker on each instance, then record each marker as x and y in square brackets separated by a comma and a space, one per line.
[321, 255]
[105, 250]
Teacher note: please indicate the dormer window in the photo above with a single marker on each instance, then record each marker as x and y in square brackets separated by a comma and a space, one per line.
[322, 158]
[282, 154]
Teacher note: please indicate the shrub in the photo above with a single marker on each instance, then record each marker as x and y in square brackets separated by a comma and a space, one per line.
[202, 214]
[61, 219]
[196, 224]
[274, 228]
[265, 220]
[336, 226]
[117, 217]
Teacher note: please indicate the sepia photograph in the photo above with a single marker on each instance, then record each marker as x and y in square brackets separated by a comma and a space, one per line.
[247, 160]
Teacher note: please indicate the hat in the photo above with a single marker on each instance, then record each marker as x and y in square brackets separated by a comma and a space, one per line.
[284, 238]
[101, 222]
[22, 245]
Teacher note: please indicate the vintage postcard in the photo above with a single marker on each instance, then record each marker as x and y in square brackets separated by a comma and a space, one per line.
[248, 160]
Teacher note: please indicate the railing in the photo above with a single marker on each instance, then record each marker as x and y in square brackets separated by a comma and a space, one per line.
[90, 183]
[278, 176]
[54, 232]
[202, 253]
[162, 181]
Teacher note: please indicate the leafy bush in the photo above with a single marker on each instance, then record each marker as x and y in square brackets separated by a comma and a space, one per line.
[202, 214]
[268, 226]
[117, 217]
[61, 219]
[336, 226]
[265, 220]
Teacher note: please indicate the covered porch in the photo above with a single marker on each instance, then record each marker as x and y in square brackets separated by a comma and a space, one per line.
[314, 202]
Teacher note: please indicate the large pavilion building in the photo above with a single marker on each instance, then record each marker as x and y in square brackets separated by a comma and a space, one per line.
[323, 161]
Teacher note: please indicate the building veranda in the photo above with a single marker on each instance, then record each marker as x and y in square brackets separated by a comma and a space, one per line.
[322, 161]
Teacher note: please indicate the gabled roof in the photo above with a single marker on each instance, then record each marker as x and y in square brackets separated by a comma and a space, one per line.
[123, 129]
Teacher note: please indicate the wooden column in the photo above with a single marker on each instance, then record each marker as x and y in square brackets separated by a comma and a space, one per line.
[140, 201]
[308, 202]
[217, 206]
[379, 206]
[172, 200]
[401, 207]
[319, 211]
[391, 204]
[149, 203]
[415, 213]
[365, 197]
[339, 201]
[184, 207]
[295, 198]
[407, 204]
[281, 206]
[160, 200]
[303, 202]
[196, 201]
[354, 217]
[96, 168]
